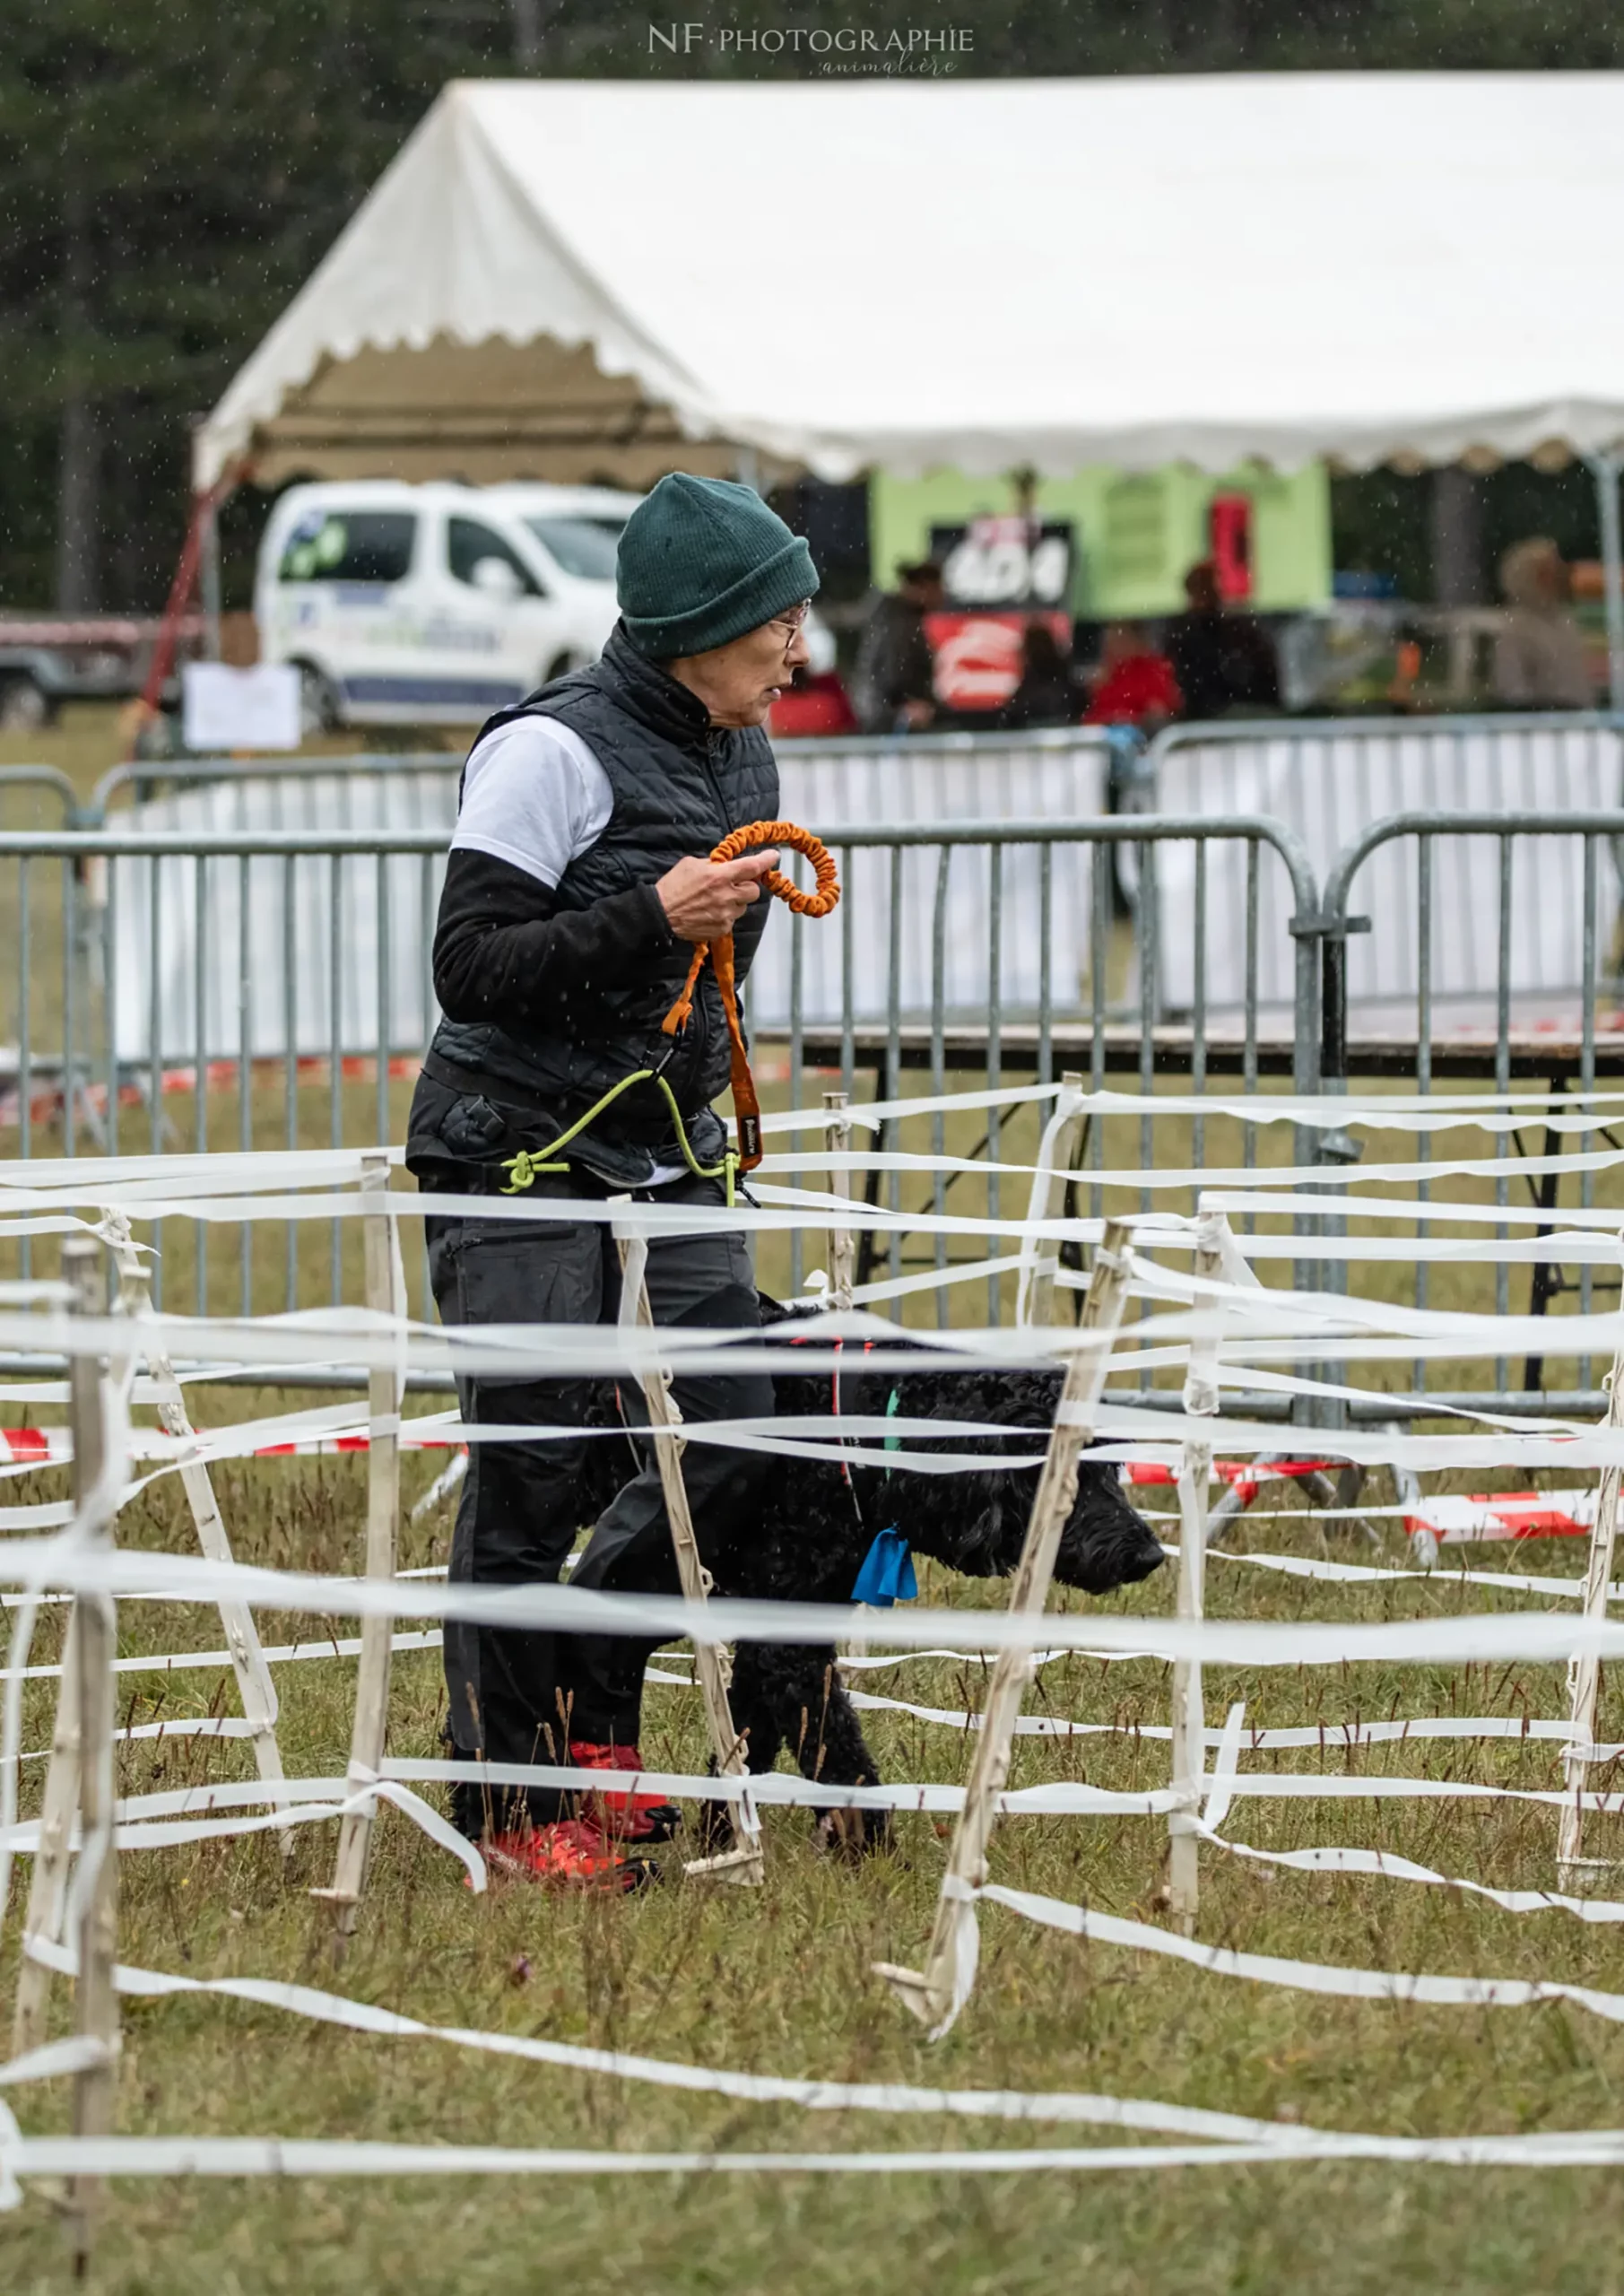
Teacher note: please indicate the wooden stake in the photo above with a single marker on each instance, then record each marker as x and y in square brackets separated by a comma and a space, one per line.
[1189, 1711]
[1056, 1157]
[1585, 1673]
[95, 2000]
[937, 1996]
[47, 1885]
[256, 1692]
[385, 1295]
[842, 1245]
[743, 1862]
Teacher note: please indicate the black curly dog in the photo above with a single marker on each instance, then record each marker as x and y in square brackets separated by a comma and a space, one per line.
[820, 1518]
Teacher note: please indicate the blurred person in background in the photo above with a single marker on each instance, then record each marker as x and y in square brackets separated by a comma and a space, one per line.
[1047, 693]
[1221, 660]
[1134, 685]
[1540, 660]
[894, 680]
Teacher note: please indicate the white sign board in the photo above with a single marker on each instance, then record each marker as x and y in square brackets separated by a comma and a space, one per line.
[240, 709]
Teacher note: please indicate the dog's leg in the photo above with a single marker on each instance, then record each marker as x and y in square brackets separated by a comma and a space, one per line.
[826, 1741]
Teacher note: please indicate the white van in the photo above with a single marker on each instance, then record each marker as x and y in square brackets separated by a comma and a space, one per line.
[434, 604]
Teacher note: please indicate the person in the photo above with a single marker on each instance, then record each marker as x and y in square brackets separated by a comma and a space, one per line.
[895, 673]
[576, 886]
[1135, 684]
[1540, 657]
[1222, 661]
[1047, 693]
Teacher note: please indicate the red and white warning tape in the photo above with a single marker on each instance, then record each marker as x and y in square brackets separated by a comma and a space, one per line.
[35, 1447]
[1488, 1515]
[1482, 1519]
[49, 1446]
[1246, 1477]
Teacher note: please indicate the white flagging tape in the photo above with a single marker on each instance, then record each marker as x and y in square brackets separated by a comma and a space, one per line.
[1172, 1177]
[1327, 1737]
[182, 1662]
[1278, 2139]
[444, 1484]
[1540, 1636]
[1384, 1866]
[753, 2088]
[280, 2156]
[316, 1798]
[1222, 2138]
[1060, 1797]
[1304, 1977]
[277, 2156]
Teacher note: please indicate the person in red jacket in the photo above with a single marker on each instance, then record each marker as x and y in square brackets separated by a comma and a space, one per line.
[1134, 685]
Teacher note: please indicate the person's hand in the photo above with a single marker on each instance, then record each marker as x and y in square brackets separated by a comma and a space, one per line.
[918, 714]
[703, 900]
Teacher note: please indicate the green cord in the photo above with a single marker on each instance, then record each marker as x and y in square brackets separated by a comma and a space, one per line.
[525, 1168]
[892, 1442]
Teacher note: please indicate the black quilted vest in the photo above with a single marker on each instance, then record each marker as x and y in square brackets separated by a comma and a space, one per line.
[679, 786]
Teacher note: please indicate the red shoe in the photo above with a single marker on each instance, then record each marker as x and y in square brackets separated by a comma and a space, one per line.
[617, 1815]
[568, 1855]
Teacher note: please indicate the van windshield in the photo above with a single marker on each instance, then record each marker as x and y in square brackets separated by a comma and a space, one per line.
[581, 545]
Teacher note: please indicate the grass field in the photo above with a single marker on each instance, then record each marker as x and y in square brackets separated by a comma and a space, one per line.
[779, 1981]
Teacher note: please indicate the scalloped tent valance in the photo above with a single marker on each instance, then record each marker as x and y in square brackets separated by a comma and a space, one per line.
[594, 279]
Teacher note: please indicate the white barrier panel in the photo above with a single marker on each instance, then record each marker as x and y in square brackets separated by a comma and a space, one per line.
[1330, 786]
[306, 964]
[1058, 782]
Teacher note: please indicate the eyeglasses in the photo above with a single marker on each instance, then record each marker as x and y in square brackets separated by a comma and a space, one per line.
[794, 618]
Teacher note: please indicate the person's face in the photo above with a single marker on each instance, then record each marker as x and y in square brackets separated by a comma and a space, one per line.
[1202, 591]
[739, 682]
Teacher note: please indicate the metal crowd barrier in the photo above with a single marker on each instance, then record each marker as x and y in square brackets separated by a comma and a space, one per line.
[1329, 778]
[1065, 774]
[906, 754]
[155, 778]
[1582, 931]
[239, 990]
[48, 784]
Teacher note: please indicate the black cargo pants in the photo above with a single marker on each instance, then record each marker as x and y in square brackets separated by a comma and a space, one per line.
[518, 1695]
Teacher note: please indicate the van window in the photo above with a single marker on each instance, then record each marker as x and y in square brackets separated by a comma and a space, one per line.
[583, 547]
[467, 542]
[350, 546]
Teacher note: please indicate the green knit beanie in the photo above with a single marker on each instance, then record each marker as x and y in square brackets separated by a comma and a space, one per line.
[701, 562]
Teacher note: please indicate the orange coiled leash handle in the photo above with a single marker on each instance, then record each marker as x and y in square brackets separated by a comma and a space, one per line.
[817, 903]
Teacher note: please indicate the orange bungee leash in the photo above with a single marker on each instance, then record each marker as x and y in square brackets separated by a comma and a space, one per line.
[818, 903]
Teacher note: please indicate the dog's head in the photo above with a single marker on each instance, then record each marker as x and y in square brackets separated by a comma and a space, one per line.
[976, 1520]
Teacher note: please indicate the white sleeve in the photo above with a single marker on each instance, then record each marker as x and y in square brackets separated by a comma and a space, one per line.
[533, 795]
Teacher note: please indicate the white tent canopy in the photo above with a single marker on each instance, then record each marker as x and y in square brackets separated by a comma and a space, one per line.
[571, 279]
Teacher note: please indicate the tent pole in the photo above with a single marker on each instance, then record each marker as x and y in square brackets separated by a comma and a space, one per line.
[198, 533]
[1605, 468]
[208, 579]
